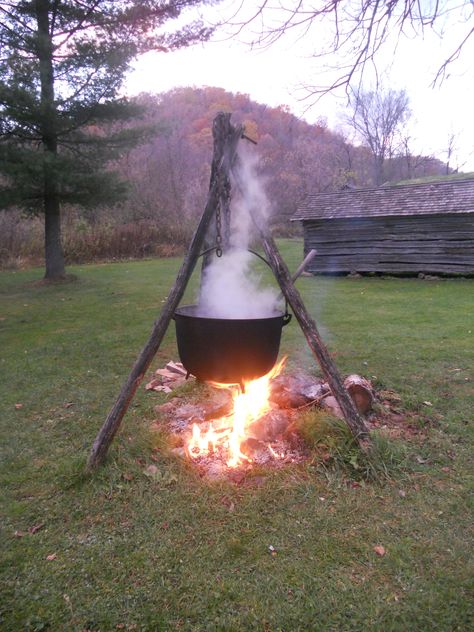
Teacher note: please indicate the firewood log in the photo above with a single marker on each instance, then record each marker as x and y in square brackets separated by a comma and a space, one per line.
[361, 392]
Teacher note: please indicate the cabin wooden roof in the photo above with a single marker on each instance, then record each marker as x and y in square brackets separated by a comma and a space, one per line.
[432, 198]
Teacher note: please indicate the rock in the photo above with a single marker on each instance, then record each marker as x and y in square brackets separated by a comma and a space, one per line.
[154, 383]
[218, 405]
[294, 391]
[179, 452]
[428, 277]
[270, 426]
[166, 408]
[331, 405]
[215, 470]
[315, 391]
[250, 446]
[176, 367]
[189, 412]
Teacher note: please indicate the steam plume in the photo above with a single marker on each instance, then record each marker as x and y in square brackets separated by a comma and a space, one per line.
[230, 288]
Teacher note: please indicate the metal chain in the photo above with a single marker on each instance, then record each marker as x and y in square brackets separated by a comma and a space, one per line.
[218, 231]
[228, 194]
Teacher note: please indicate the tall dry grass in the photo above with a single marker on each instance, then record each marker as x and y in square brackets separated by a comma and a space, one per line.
[101, 239]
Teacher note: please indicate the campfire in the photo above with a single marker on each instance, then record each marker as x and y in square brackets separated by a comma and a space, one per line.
[225, 430]
[228, 434]
[232, 334]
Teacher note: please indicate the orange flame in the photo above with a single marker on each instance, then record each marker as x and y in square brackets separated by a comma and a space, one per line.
[230, 431]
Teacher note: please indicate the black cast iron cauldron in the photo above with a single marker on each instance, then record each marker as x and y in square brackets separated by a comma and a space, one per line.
[227, 350]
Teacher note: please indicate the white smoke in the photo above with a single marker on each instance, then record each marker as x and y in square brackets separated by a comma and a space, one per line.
[230, 288]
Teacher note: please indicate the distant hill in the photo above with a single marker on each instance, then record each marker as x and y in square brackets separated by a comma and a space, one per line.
[438, 178]
[169, 175]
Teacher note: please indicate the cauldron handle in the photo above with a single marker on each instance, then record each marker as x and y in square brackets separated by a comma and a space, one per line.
[287, 315]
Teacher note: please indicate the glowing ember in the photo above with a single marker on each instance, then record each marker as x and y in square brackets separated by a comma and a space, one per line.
[228, 433]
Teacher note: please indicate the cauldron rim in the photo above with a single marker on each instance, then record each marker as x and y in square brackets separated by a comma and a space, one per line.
[188, 311]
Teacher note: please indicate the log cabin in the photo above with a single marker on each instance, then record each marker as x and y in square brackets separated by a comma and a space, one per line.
[399, 229]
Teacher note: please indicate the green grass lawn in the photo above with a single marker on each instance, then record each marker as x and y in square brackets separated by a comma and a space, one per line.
[121, 550]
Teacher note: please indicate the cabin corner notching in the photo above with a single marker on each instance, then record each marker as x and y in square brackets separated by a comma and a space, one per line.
[410, 228]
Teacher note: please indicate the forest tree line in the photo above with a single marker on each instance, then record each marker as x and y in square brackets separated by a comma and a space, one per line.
[167, 177]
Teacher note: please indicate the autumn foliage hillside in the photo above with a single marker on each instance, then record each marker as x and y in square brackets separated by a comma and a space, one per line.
[168, 178]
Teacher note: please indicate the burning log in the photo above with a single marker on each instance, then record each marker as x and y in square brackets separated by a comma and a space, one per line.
[270, 426]
[295, 391]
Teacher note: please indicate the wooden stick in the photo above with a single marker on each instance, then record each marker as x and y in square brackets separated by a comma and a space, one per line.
[299, 271]
[301, 268]
[308, 326]
[116, 414]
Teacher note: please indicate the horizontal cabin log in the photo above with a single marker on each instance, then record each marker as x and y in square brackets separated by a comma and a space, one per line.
[404, 244]
[322, 237]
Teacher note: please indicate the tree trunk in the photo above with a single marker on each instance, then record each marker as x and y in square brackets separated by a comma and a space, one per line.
[52, 213]
[54, 258]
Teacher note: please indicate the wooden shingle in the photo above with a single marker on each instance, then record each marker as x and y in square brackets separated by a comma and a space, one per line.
[433, 198]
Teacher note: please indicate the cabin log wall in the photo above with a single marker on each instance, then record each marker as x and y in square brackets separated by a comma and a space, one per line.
[397, 244]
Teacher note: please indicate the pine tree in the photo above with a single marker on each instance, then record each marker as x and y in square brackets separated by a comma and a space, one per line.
[62, 65]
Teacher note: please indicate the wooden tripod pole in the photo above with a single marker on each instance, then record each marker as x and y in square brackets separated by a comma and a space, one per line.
[307, 324]
[226, 138]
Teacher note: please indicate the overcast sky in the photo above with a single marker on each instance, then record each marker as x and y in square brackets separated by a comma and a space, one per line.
[275, 75]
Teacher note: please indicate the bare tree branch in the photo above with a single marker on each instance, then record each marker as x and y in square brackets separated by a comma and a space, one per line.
[358, 29]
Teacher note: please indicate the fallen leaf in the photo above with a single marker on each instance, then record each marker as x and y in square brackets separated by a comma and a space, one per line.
[379, 550]
[402, 493]
[35, 528]
[427, 403]
[18, 406]
[151, 471]
[51, 557]
[19, 534]
[446, 469]
[127, 476]
[68, 404]
[421, 460]
[165, 478]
